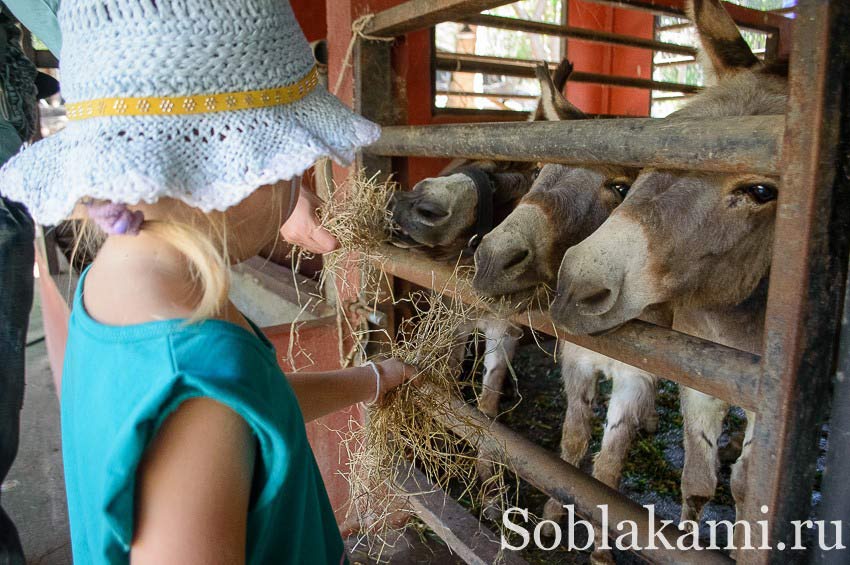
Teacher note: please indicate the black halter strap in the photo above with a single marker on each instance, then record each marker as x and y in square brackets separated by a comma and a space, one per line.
[484, 215]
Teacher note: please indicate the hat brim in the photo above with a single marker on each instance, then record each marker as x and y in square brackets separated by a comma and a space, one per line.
[209, 161]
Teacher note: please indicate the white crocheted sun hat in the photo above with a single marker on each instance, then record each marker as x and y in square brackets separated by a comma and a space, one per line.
[200, 100]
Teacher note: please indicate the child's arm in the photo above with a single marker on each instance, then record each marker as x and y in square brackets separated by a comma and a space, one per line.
[193, 488]
[320, 394]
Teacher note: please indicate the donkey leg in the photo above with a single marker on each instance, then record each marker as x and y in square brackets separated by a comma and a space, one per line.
[703, 423]
[579, 376]
[738, 482]
[632, 403]
[632, 398]
[501, 343]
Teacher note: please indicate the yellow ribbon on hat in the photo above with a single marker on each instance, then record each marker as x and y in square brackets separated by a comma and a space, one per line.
[195, 104]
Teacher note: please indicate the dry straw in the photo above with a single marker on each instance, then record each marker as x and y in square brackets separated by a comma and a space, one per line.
[358, 214]
[413, 423]
[417, 424]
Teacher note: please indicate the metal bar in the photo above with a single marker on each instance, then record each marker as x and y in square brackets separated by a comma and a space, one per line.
[675, 62]
[712, 368]
[675, 27]
[738, 144]
[473, 115]
[807, 280]
[747, 18]
[414, 15]
[374, 96]
[420, 14]
[567, 484]
[463, 533]
[760, 53]
[464, 63]
[486, 94]
[835, 489]
[584, 34]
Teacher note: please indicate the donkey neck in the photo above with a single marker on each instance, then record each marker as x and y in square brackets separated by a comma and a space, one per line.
[738, 326]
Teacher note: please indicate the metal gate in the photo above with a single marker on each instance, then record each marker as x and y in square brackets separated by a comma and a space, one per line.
[788, 385]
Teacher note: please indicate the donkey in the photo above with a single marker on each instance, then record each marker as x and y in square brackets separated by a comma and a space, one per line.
[565, 205]
[699, 242]
[446, 216]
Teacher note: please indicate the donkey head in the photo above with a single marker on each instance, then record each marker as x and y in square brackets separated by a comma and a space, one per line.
[564, 206]
[686, 239]
[442, 214]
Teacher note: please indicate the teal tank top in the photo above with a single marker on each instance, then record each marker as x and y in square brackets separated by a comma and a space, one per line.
[120, 383]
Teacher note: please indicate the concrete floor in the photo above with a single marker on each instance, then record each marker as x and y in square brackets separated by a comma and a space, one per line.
[34, 491]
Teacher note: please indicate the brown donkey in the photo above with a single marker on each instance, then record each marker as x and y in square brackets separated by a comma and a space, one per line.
[565, 205]
[700, 242]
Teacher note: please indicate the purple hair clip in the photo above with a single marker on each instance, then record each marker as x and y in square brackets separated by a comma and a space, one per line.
[115, 219]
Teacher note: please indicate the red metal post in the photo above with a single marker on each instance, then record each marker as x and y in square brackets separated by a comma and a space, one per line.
[809, 269]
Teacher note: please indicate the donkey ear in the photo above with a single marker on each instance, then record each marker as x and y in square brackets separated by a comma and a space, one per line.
[720, 38]
[552, 105]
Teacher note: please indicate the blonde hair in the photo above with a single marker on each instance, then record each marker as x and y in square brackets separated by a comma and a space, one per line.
[208, 260]
[203, 244]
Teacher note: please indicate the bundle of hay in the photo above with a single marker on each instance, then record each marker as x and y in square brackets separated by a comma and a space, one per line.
[413, 425]
[358, 214]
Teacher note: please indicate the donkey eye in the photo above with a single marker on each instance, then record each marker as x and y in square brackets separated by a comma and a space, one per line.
[762, 193]
[620, 187]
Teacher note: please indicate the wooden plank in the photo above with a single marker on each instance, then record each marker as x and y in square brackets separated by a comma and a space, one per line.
[715, 369]
[734, 144]
[465, 535]
[420, 14]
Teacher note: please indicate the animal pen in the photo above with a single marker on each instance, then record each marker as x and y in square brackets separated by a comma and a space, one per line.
[786, 386]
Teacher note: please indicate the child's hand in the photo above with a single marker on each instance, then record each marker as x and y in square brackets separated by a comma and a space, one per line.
[393, 374]
[302, 227]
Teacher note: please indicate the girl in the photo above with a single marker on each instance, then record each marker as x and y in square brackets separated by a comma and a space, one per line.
[183, 442]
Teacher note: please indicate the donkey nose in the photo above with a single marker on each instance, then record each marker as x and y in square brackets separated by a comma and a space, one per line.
[593, 299]
[430, 213]
[503, 263]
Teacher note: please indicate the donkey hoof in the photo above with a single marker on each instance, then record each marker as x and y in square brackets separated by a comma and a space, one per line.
[692, 508]
[489, 407]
